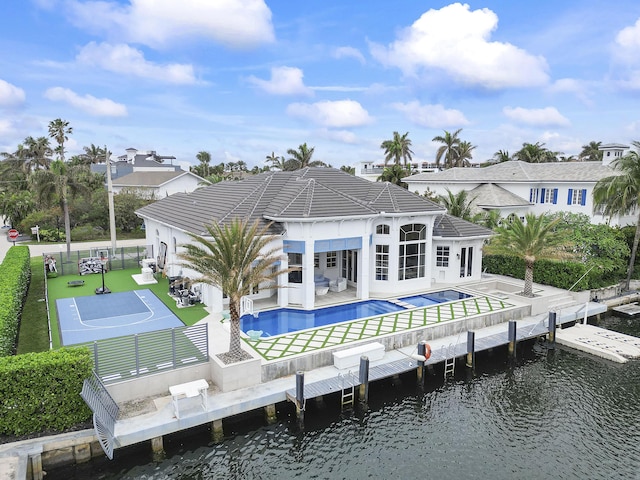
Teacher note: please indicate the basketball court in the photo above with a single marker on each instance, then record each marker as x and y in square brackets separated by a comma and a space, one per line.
[97, 317]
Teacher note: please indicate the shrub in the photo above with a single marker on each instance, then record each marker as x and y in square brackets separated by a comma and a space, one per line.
[86, 232]
[15, 273]
[41, 391]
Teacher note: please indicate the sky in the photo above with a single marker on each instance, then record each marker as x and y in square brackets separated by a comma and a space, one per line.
[244, 78]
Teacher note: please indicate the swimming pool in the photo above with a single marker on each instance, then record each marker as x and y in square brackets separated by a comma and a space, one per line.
[426, 299]
[286, 320]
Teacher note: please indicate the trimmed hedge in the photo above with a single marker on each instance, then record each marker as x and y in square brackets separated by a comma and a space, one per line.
[41, 391]
[549, 272]
[15, 273]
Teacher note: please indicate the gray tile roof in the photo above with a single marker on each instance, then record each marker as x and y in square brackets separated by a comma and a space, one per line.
[447, 226]
[147, 179]
[515, 171]
[489, 195]
[303, 194]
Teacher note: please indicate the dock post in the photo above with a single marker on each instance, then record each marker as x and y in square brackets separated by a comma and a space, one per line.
[270, 414]
[471, 349]
[512, 337]
[217, 432]
[157, 448]
[552, 327]
[300, 396]
[422, 350]
[363, 378]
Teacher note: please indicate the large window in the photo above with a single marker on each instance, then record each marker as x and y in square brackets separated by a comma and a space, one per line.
[382, 262]
[295, 264]
[411, 258]
[577, 196]
[543, 195]
[442, 256]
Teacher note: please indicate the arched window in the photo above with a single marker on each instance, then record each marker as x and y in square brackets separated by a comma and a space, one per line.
[411, 257]
[382, 229]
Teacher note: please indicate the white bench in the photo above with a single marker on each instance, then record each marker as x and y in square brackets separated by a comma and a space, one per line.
[351, 356]
[189, 389]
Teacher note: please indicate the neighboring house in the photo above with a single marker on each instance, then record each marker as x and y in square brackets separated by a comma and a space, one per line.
[137, 161]
[371, 171]
[375, 238]
[159, 184]
[520, 187]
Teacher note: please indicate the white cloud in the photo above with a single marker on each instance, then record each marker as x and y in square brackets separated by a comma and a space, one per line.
[548, 116]
[234, 23]
[124, 59]
[342, 136]
[431, 116]
[284, 81]
[455, 41]
[349, 52]
[99, 107]
[331, 114]
[10, 95]
[573, 86]
[628, 43]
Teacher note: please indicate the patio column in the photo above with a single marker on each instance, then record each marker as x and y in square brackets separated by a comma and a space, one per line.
[283, 280]
[365, 270]
[309, 292]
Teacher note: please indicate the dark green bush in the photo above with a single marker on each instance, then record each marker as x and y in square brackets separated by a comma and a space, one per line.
[86, 232]
[15, 272]
[41, 391]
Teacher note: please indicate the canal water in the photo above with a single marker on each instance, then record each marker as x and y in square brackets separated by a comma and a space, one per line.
[550, 414]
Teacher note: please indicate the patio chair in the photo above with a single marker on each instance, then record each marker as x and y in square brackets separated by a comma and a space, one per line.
[338, 285]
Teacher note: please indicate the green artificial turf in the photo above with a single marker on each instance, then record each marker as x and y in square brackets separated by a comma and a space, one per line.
[34, 331]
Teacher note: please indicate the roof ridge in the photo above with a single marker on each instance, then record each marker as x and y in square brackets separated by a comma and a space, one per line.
[262, 188]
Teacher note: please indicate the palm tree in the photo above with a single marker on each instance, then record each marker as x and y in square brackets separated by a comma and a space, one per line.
[204, 158]
[591, 152]
[394, 174]
[532, 239]
[58, 130]
[535, 153]
[620, 195]
[399, 147]
[93, 154]
[463, 154]
[501, 156]
[489, 219]
[38, 155]
[447, 151]
[348, 169]
[59, 184]
[235, 258]
[457, 205]
[301, 158]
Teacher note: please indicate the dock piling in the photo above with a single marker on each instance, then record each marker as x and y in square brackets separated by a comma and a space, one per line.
[512, 337]
[270, 414]
[422, 350]
[217, 431]
[552, 327]
[471, 347]
[363, 378]
[300, 395]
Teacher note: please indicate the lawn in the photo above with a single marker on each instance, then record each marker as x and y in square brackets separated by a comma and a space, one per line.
[33, 330]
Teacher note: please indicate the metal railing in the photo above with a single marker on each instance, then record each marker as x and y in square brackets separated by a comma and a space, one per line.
[105, 411]
[123, 358]
[123, 258]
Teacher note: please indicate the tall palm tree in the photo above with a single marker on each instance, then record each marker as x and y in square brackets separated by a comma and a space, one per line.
[235, 258]
[464, 154]
[59, 184]
[591, 152]
[93, 154]
[447, 151]
[399, 147]
[204, 158]
[38, 155]
[301, 158]
[620, 195]
[58, 130]
[457, 205]
[348, 169]
[532, 239]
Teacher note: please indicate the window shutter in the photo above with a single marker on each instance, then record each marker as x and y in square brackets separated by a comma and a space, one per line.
[570, 196]
[584, 197]
[530, 195]
[542, 195]
[555, 196]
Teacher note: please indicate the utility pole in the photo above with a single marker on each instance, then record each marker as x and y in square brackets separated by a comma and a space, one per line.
[112, 213]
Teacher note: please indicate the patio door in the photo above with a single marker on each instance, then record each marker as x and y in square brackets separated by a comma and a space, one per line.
[350, 265]
[466, 261]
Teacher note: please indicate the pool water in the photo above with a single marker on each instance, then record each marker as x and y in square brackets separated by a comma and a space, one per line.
[286, 320]
[426, 299]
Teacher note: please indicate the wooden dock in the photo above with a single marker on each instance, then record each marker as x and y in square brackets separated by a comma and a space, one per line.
[629, 310]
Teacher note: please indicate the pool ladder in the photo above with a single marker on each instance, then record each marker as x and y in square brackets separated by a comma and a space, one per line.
[449, 363]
